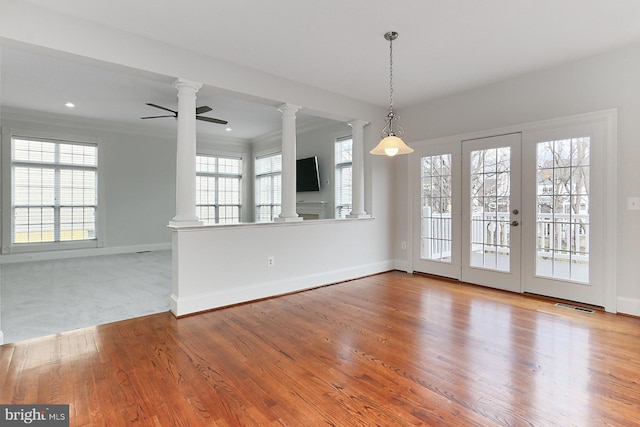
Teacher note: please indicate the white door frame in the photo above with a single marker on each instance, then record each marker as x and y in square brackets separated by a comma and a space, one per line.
[608, 119]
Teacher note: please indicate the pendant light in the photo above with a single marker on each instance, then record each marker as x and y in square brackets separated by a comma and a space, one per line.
[391, 143]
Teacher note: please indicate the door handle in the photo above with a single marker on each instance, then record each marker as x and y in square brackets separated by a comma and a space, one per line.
[515, 223]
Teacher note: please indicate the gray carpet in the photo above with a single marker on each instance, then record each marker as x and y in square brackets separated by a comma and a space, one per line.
[47, 297]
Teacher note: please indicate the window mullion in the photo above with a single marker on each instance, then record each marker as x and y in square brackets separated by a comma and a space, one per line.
[57, 205]
[343, 166]
[56, 197]
[216, 202]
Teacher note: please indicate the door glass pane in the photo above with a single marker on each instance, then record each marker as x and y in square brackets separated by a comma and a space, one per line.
[490, 199]
[436, 208]
[562, 225]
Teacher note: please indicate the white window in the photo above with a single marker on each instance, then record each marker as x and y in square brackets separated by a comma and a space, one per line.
[343, 155]
[436, 220]
[53, 194]
[218, 184]
[268, 187]
[563, 222]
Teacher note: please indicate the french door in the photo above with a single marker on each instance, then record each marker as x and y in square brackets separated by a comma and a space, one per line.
[564, 213]
[436, 171]
[523, 211]
[491, 211]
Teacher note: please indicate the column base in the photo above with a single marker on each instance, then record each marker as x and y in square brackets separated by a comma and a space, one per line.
[363, 215]
[184, 223]
[288, 219]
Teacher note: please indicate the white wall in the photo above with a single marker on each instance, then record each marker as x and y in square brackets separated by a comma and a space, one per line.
[22, 22]
[223, 265]
[606, 81]
[313, 139]
[139, 170]
[341, 249]
[320, 143]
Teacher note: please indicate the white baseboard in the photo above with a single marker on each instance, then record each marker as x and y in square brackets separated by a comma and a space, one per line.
[403, 265]
[76, 253]
[628, 305]
[181, 306]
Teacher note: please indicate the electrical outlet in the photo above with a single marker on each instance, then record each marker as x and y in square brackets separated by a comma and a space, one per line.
[633, 203]
[403, 245]
[270, 261]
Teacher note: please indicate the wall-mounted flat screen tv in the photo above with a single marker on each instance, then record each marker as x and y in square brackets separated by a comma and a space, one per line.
[307, 174]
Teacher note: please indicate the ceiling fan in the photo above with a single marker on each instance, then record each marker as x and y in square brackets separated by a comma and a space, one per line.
[199, 110]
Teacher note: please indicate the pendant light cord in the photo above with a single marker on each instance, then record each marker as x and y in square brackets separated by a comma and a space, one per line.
[389, 130]
[391, 74]
[391, 143]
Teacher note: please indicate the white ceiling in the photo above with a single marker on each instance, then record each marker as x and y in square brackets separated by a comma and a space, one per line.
[337, 45]
[43, 81]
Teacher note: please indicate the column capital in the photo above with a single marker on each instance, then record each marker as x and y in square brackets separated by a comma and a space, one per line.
[180, 83]
[287, 108]
[358, 124]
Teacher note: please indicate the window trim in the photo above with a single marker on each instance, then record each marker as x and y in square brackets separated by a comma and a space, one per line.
[272, 206]
[8, 246]
[339, 166]
[217, 175]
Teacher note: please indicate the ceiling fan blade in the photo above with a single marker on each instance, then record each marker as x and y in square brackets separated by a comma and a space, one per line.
[155, 117]
[162, 108]
[203, 109]
[212, 120]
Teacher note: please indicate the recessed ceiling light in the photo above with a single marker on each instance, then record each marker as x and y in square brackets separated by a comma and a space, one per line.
[228, 129]
[70, 104]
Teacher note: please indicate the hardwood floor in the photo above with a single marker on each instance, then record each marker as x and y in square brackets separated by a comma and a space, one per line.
[391, 350]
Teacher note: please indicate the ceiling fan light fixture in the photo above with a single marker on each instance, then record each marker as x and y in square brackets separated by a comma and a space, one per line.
[174, 114]
[391, 143]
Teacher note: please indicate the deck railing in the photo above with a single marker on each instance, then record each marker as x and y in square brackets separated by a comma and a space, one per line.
[558, 236]
[436, 235]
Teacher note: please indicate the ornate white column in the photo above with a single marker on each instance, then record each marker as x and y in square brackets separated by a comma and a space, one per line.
[357, 169]
[288, 204]
[186, 154]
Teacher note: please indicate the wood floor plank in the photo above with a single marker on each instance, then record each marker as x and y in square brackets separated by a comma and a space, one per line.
[390, 350]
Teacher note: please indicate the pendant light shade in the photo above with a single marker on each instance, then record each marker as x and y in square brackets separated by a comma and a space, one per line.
[391, 143]
[390, 146]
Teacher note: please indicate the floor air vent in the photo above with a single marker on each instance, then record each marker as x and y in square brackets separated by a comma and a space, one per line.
[573, 307]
